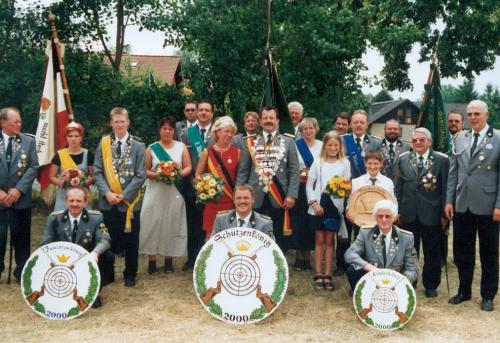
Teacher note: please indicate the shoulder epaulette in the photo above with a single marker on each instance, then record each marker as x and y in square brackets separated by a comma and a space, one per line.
[376, 137]
[289, 135]
[404, 153]
[30, 135]
[441, 154]
[367, 227]
[263, 216]
[225, 211]
[56, 213]
[94, 212]
[137, 138]
[406, 232]
[254, 135]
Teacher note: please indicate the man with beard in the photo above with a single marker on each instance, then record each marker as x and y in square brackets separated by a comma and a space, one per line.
[391, 147]
[455, 121]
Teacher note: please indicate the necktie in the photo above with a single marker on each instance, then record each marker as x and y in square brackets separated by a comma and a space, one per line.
[358, 143]
[391, 152]
[384, 252]
[373, 180]
[420, 164]
[75, 228]
[474, 144]
[119, 149]
[269, 139]
[8, 152]
[241, 223]
[202, 131]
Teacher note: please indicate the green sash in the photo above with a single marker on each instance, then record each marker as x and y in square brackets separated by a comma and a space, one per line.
[197, 143]
[163, 156]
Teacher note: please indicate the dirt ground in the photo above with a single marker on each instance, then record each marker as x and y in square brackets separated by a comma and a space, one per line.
[164, 308]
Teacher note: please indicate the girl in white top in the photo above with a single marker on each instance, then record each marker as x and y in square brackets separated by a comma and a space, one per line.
[332, 162]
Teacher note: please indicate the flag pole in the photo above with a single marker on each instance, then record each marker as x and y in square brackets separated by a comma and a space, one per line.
[425, 100]
[69, 107]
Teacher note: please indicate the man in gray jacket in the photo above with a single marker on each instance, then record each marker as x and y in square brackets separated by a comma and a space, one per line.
[271, 167]
[421, 177]
[119, 176]
[243, 215]
[382, 246]
[18, 170]
[83, 227]
[473, 201]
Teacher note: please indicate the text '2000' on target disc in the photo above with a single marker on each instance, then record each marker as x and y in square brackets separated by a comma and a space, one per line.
[240, 276]
[60, 281]
[384, 299]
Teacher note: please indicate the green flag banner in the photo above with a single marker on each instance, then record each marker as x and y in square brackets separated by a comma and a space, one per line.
[434, 116]
[274, 95]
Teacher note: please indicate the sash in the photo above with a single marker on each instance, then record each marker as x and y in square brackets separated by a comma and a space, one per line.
[66, 160]
[114, 182]
[213, 161]
[197, 143]
[354, 156]
[277, 193]
[249, 142]
[163, 156]
[304, 152]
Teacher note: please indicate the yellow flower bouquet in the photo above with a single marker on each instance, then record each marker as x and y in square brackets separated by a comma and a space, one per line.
[338, 187]
[209, 188]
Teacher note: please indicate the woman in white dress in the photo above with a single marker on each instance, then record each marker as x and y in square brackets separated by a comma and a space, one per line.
[163, 214]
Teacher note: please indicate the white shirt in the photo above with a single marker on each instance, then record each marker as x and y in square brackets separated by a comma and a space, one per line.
[189, 124]
[6, 139]
[388, 238]
[315, 151]
[382, 181]
[207, 128]
[72, 219]
[321, 173]
[123, 140]
[425, 156]
[482, 133]
[266, 135]
[245, 219]
[362, 139]
[296, 129]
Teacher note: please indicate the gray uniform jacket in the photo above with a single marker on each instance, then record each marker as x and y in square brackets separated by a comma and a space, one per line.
[367, 248]
[287, 171]
[369, 142]
[227, 220]
[130, 169]
[473, 181]
[389, 167]
[22, 170]
[92, 234]
[422, 195]
[179, 130]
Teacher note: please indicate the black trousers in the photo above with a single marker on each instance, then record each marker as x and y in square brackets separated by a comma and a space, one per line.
[465, 226]
[129, 242]
[431, 237]
[106, 263]
[19, 222]
[195, 233]
[278, 217]
[354, 275]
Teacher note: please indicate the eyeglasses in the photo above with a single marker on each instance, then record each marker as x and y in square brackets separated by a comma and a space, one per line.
[384, 216]
[473, 114]
[419, 140]
[190, 110]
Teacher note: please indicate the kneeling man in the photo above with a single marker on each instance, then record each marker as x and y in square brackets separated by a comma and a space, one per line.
[243, 215]
[83, 227]
[382, 246]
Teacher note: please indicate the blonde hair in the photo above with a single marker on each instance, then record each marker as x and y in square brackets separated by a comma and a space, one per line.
[332, 135]
[310, 121]
[222, 123]
[118, 111]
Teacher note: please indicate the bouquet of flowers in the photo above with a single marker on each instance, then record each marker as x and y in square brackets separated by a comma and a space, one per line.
[75, 178]
[168, 172]
[338, 187]
[209, 188]
[303, 175]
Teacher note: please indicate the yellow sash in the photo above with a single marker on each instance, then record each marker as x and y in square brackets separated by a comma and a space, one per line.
[114, 182]
[66, 160]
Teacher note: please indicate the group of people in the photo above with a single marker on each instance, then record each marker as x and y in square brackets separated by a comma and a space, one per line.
[274, 183]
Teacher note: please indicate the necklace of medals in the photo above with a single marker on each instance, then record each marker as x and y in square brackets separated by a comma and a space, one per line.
[268, 159]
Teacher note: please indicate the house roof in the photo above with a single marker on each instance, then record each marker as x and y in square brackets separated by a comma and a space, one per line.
[166, 68]
[378, 109]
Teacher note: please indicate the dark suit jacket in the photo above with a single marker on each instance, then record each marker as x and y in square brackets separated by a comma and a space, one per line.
[415, 201]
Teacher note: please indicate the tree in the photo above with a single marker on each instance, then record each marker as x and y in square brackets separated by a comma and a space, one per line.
[491, 96]
[465, 93]
[383, 95]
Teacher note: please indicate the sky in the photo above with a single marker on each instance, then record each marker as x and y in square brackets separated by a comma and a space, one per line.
[151, 43]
